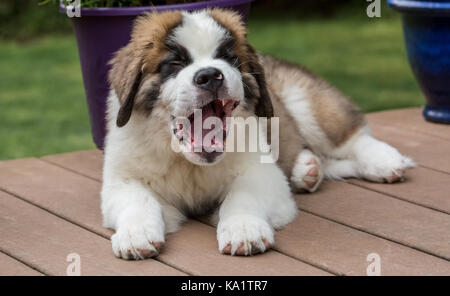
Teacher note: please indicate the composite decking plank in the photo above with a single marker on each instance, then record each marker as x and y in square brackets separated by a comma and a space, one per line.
[44, 240]
[77, 198]
[409, 119]
[12, 267]
[53, 188]
[194, 247]
[422, 186]
[346, 256]
[88, 162]
[428, 151]
[344, 250]
[381, 215]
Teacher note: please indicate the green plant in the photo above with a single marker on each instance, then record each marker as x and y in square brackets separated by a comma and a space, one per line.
[120, 3]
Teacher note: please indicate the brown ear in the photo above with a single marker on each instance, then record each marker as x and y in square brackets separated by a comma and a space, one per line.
[141, 55]
[125, 78]
[264, 106]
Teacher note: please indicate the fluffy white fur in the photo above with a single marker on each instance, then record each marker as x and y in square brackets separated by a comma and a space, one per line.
[145, 184]
[297, 103]
[363, 156]
[147, 187]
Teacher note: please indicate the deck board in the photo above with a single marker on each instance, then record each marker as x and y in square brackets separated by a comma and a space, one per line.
[409, 119]
[57, 198]
[43, 240]
[422, 186]
[344, 262]
[344, 250]
[77, 199]
[428, 151]
[88, 163]
[67, 195]
[12, 267]
[195, 248]
[394, 219]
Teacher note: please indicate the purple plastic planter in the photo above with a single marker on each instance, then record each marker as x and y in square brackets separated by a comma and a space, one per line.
[100, 32]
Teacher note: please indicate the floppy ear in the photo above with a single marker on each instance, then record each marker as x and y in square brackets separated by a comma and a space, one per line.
[125, 78]
[264, 106]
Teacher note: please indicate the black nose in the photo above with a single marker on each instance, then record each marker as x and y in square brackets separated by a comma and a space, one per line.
[209, 78]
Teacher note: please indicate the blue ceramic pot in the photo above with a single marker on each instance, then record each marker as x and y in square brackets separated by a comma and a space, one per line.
[426, 27]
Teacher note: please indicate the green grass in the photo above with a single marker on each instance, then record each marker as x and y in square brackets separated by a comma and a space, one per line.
[42, 101]
[363, 58]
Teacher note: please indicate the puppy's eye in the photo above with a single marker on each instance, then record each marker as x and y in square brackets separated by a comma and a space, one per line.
[231, 58]
[177, 64]
[170, 67]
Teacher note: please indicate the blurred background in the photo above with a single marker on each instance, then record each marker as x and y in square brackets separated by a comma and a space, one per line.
[42, 102]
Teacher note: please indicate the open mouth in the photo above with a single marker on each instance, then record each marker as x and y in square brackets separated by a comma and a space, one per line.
[207, 130]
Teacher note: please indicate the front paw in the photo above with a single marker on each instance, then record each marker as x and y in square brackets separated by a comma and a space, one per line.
[137, 242]
[244, 235]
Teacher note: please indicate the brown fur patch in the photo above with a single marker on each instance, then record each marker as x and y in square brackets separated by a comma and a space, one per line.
[339, 118]
[124, 71]
[145, 50]
[232, 21]
[137, 61]
[149, 34]
[335, 114]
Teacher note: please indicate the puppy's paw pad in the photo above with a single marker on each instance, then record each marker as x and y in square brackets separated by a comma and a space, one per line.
[150, 252]
[387, 172]
[311, 178]
[396, 176]
[307, 174]
[245, 236]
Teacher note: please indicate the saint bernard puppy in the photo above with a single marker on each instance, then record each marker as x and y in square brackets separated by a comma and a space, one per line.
[179, 62]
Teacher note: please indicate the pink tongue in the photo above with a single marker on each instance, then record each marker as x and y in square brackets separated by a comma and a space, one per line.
[228, 108]
[213, 143]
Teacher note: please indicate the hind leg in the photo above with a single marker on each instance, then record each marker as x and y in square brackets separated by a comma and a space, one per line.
[365, 157]
[307, 173]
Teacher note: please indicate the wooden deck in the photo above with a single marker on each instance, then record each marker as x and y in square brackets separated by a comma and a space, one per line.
[49, 208]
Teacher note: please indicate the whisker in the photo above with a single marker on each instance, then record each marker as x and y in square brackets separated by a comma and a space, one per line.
[243, 63]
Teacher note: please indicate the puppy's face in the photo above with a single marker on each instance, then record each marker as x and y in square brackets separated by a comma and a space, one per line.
[199, 68]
